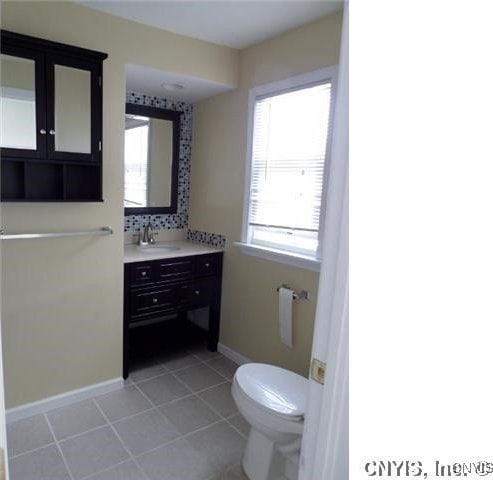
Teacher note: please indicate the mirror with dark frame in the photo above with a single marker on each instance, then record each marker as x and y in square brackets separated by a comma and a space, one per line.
[152, 142]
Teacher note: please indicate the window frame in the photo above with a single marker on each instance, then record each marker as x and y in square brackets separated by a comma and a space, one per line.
[298, 82]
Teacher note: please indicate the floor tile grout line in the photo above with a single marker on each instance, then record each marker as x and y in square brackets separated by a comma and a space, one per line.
[161, 404]
[196, 394]
[92, 475]
[223, 417]
[115, 432]
[212, 386]
[31, 451]
[147, 410]
[230, 379]
[217, 412]
[168, 370]
[207, 403]
[198, 391]
[158, 408]
[75, 435]
[164, 372]
[181, 437]
[181, 381]
[236, 429]
[206, 363]
[109, 423]
[207, 388]
[64, 460]
[152, 407]
[55, 440]
[182, 368]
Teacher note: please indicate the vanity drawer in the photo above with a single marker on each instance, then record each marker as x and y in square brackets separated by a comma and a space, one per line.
[177, 270]
[206, 265]
[196, 294]
[141, 274]
[144, 302]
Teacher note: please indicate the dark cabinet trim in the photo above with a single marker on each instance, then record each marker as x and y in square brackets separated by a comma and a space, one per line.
[96, 114]
[40, 98]
[42, 45]
[174, 117]
[159, 288]
[44, 174]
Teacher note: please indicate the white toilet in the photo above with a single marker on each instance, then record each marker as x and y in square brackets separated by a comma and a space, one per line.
[272, 400]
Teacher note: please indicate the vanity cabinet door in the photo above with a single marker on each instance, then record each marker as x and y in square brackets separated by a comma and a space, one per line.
[22, 106]
[73, 113]
[196, 294]
[207, 265]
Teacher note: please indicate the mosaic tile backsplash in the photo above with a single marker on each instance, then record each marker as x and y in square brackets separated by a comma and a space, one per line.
[133, 223]
[211, 239]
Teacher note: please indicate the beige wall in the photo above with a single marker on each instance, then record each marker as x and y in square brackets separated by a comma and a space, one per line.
[62, 298]
[249, 305]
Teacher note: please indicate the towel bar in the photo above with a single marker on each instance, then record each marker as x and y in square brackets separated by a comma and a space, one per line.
[15, 236]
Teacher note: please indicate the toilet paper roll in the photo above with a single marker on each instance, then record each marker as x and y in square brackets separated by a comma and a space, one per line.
[286, 316]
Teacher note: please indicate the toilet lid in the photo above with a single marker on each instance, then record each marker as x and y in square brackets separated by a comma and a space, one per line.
[276, 389]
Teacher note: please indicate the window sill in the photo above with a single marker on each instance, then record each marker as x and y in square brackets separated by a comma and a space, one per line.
[280, 256]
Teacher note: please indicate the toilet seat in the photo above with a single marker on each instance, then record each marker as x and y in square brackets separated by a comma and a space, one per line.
[273, 389]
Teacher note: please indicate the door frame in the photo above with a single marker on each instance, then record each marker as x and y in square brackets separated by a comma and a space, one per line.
[325, 442]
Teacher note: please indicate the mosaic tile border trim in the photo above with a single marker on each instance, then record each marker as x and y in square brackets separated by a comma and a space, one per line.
[206, 238]
[134, 223]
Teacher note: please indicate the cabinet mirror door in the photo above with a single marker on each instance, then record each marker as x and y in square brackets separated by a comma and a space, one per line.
[72, 133]
[22, 129]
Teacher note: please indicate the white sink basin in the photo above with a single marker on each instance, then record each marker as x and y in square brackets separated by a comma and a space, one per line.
[157, 248]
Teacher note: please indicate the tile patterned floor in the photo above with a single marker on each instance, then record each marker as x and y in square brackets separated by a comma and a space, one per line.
[175, 419]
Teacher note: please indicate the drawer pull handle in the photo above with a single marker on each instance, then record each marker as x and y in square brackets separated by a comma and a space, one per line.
[207, 265]
[197, 292]
[144, 274]
[154, 300]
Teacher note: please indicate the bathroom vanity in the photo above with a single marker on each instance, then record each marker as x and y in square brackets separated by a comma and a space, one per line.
[166, 280]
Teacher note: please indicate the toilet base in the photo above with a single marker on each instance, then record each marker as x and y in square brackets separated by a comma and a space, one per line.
[292, 467]
[262, 461]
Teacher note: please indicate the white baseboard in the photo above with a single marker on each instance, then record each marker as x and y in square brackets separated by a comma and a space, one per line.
[236, 357]
[67, 398]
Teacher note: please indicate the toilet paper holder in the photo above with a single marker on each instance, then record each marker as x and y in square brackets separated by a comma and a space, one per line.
[303, 295]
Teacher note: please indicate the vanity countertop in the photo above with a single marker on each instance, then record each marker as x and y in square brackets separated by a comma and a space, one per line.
[134, 253]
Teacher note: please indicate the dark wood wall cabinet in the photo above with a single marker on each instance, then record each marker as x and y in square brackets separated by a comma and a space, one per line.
[51, 135]
[159, 289]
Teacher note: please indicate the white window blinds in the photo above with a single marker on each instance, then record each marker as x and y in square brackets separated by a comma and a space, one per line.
[287, 171]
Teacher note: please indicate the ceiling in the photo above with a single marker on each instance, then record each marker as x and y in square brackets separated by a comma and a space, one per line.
[150, 80]
[234, 23]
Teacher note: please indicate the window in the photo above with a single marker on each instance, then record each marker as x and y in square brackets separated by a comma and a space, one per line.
[290, 128]
[136, 146]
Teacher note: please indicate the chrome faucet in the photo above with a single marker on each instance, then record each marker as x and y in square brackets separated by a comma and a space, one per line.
[147, 236]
